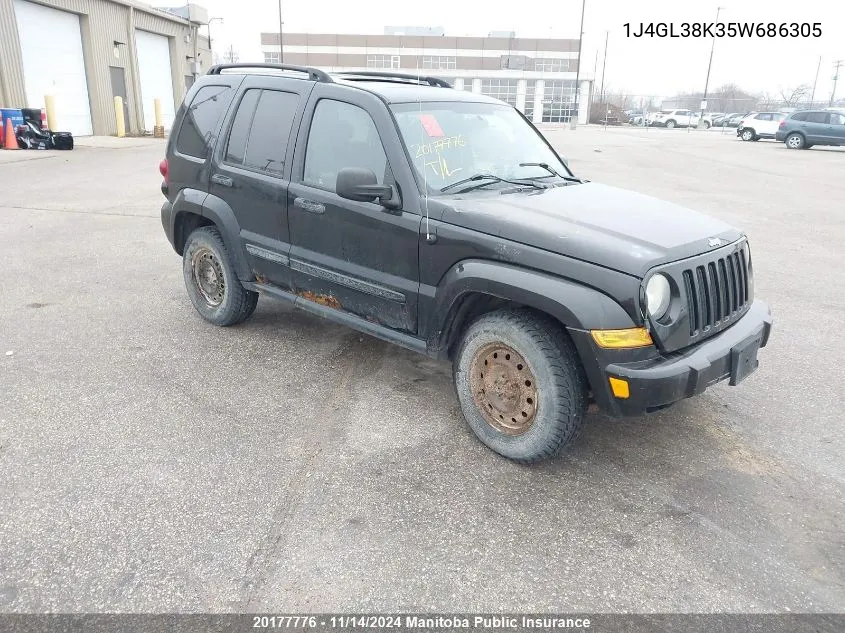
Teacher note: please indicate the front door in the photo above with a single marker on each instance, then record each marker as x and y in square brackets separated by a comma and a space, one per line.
[355, 256]
[118, 89]
[250, 171]
[836, 128]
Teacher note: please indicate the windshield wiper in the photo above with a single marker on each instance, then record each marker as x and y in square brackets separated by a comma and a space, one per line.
[551, 170]
[492, 179]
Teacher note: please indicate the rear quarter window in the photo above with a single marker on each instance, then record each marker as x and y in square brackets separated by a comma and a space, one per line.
[799, 116]
[198, 131]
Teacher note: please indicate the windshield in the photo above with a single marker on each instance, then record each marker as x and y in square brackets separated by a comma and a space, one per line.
[451, 141]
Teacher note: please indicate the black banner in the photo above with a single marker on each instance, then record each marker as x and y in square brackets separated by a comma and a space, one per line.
[320, 623]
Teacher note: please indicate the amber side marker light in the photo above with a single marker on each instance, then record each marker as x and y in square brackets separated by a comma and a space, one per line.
[620, 387]
[620, 339]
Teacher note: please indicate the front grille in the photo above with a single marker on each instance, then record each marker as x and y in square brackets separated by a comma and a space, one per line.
[716, 291]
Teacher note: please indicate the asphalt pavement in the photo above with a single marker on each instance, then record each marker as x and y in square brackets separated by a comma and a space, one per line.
[151, 462]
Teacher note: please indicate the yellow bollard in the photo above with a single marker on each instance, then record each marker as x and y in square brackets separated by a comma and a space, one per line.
[118, 116]
[158, 130]
[50, 107]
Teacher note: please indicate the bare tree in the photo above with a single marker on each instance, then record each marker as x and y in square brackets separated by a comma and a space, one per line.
[793, 97]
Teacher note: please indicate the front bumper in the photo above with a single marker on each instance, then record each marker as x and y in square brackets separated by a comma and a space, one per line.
[658, 381]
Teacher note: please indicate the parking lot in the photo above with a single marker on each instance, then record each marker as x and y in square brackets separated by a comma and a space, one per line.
[152, 462]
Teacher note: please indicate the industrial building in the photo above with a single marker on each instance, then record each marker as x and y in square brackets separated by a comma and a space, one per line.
[83, 53]
[537, 76]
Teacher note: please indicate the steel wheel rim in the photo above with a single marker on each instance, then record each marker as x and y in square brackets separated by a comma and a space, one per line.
[208, 276]
[503, 388]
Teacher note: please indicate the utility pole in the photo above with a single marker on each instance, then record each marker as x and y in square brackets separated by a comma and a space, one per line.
[709, 64]
[836, 65]
[573, 122]
[813, 96]
[603, 68]
[281, 41]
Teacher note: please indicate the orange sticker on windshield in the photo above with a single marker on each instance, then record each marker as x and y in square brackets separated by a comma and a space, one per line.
[431, 126]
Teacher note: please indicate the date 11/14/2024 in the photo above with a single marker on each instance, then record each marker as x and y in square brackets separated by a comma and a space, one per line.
[723, 29]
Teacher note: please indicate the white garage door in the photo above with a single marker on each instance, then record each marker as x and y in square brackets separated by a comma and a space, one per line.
[156, 77]
[51, 44]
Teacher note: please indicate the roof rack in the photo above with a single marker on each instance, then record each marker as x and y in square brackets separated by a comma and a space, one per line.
[373, 75]
[314, 74]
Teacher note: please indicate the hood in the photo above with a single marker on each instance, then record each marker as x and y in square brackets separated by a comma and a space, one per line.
[608, 226]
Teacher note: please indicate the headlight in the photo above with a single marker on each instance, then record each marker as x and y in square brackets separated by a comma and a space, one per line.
[658, 293]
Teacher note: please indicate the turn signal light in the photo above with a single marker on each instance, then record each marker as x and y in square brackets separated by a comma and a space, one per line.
[620, 388]
[620, 339]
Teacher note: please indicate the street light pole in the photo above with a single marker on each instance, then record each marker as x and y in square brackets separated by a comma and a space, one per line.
[210, 47]
[281, 42]
[573, 122]
[603, 66]
[709, 64]
[816, 81]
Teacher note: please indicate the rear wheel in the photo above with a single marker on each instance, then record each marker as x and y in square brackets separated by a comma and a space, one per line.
[670, 124]
[520, 384]
[210, 279]
[748, 135]
[707, 125]
[795, 141]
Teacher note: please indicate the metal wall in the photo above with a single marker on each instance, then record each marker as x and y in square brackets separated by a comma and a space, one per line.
[108, 39]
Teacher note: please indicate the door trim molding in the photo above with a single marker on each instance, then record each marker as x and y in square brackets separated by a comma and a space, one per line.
[263, 253]
[345, 280]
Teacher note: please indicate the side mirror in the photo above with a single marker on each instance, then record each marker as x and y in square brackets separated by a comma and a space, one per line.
[356, 183]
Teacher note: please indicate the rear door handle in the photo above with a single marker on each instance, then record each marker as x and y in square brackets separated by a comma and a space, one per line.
[309, 205]
[220, 179]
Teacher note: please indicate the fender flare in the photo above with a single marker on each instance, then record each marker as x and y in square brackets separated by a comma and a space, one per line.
[573, 304]
[218, 211]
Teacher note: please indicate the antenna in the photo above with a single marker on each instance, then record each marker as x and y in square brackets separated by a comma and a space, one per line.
[425, 170]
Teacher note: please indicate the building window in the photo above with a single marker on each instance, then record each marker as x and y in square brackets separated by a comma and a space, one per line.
[272, 58]
[558, 101]
[503, 89]
[468, 84]
[382, 61]
[552, 65]
[529, 100]
[439, 62]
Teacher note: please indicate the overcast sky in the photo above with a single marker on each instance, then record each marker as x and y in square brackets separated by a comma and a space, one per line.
[653, 66]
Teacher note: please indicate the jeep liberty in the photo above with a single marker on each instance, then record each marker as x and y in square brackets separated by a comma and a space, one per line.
[444, 222]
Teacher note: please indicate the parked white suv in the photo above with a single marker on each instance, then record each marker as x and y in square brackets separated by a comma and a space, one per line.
[759, 125]
[674, 118]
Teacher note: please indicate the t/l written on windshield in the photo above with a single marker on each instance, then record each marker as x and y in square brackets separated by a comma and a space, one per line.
[432, 154]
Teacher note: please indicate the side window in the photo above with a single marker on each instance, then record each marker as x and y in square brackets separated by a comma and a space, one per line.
[197, 132]
[817, 117]
[801, 116]
[837, 118]
[764, 116]
[261, 130]
[341, 135]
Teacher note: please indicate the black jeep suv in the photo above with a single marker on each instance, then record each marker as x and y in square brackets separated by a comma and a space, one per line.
[444, 222]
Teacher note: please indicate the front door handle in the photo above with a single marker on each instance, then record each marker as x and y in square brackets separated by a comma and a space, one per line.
[220, 179]
[309, 205]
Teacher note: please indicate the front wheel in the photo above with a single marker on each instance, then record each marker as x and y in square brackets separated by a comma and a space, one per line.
[520, 384]
[211, 281]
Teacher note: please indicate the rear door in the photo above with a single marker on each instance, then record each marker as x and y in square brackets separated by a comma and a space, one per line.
[355, 256]
[251, 169]
[817, 127]
[762, 123]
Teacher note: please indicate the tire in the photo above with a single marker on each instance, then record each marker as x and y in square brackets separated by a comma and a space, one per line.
[707, 125]
[213, 286]
[747, 134]
[670, 124]
[795, 141]
[541, 382]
